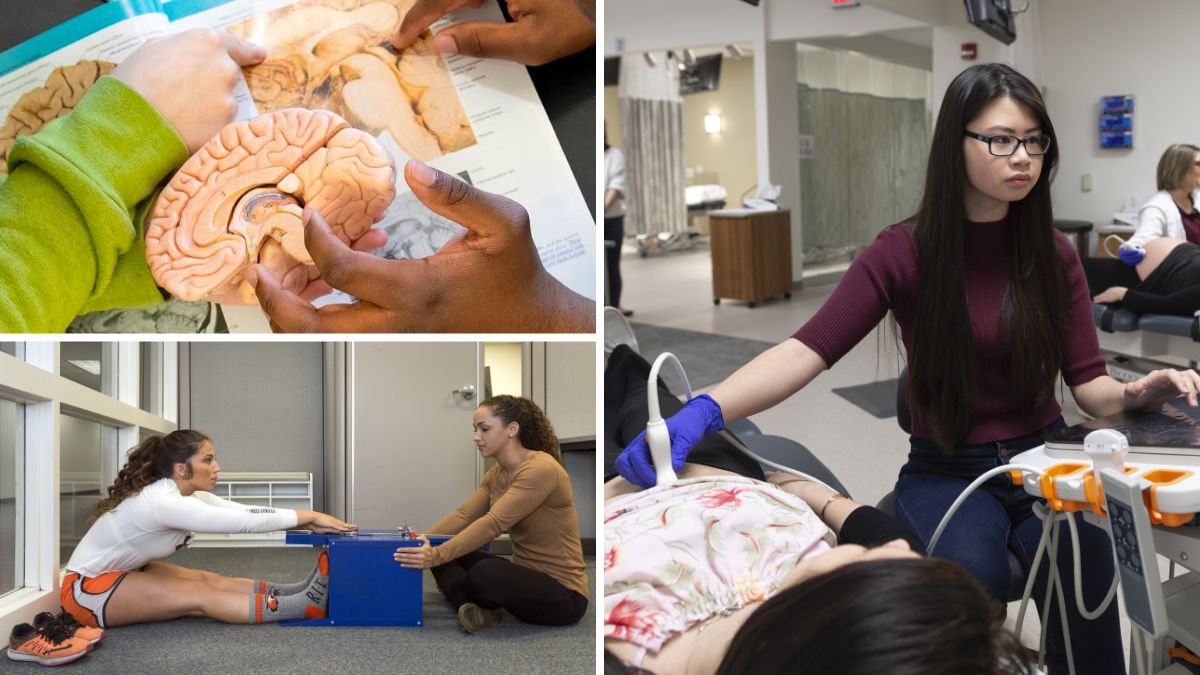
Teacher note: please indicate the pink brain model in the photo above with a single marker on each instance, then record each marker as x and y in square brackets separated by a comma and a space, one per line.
[238, 201]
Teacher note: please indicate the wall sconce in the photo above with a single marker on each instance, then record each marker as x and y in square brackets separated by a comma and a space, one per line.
[651, 59]
[712, 123]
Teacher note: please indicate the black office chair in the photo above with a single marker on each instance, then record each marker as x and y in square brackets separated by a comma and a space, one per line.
[888, 503]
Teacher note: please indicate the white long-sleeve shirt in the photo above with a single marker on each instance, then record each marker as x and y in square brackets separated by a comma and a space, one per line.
[159, 520]
[1159, 217]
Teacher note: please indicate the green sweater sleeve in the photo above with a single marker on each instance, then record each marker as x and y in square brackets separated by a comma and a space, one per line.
[71, 210]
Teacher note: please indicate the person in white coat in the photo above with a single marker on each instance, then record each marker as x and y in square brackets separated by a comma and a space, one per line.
[1174, 211]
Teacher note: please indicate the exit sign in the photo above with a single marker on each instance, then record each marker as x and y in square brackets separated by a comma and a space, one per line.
[844, 3]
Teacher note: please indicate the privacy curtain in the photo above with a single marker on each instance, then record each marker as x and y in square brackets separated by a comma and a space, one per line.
[652, 140]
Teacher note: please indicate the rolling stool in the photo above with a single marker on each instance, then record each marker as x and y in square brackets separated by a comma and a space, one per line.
[888, 503]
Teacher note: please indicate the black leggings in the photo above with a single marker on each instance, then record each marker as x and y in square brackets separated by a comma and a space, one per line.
[1104, 273]
[614, 231]
[491, 581]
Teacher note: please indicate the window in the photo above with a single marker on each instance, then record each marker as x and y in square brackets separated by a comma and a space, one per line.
[84, 446]
[12, 449]
[92, 364]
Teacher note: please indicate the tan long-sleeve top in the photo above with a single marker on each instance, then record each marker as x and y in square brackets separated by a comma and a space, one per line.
[535, 505]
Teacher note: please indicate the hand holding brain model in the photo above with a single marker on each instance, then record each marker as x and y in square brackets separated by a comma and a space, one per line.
[238, 202]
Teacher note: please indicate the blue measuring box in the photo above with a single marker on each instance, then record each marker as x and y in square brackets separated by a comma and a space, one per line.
[367, 587]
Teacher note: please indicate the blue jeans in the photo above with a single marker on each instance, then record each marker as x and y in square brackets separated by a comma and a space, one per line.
[998, 518]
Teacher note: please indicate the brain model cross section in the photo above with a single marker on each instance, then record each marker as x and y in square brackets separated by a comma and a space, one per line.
[336, 55]
[60, 94]
[238, 201]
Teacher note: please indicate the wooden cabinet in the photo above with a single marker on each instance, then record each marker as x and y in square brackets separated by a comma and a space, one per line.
[751, 254]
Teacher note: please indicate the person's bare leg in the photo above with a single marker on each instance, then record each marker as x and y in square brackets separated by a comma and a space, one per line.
[143, 597]
[219, 581]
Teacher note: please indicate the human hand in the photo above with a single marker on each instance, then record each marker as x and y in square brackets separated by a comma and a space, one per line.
[189, 79]
[415, 557]
[488, 279]
[1161, 386]
[322, 523]
[1131, 255]
[698, 418]
[541, 30]
[1112, 294]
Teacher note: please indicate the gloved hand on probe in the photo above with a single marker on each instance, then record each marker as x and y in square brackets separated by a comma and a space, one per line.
[698, 418]
[1131, 255]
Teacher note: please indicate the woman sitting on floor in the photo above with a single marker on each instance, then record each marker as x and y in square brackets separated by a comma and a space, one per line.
[527, 494]
[161, 496]
[1166, 281]
[731, 570]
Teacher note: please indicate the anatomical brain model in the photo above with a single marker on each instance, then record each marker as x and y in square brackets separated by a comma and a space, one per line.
[239, 199]
[60, 94]
[335, 55]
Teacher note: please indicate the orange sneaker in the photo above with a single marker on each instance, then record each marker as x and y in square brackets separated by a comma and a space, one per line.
[73, 627]
[47, 646]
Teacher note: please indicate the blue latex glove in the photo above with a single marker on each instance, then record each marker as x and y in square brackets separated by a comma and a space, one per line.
[1131, 255]
[698, 418]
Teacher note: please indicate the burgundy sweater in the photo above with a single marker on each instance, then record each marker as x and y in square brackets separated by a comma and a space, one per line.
[884, 276]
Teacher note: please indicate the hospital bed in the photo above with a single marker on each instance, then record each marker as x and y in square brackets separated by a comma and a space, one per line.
[700, 199]
[1148, 335]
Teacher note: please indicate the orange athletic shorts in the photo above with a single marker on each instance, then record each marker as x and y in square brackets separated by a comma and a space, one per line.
[86, 597]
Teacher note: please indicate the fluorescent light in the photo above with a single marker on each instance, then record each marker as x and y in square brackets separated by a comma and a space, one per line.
[92, 367]
[712, 123]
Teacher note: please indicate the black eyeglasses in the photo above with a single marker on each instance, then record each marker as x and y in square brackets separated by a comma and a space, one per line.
[1005, 145]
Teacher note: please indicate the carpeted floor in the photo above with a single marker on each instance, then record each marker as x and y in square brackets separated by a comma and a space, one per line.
[877, 398]
[440, 646]
[707, 358]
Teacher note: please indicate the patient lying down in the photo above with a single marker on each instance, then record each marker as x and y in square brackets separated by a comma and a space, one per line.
[726, 572]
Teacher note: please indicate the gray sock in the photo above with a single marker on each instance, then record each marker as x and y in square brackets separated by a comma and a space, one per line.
[310, 604]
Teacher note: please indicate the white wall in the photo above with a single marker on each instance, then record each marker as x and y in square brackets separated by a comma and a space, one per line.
[1147, 51]
[1079, 51]
[668, 24]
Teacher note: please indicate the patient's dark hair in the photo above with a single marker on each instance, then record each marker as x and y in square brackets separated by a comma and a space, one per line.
[922, 616]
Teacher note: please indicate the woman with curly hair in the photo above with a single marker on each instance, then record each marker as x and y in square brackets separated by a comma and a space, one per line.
[528, 495]
[160, 497]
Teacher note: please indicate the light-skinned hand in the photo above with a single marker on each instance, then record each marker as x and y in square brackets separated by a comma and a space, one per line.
[189, 79]
[1161, 386]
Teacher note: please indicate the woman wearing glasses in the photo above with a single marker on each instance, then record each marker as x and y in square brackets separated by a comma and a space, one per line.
[991, 305]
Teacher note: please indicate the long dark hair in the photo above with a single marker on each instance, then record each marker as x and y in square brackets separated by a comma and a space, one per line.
[535, 431]
[942, 382]
[920, 616]
[152, 459]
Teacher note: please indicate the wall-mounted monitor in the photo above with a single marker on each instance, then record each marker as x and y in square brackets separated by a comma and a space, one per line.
[703, 75]
[993, 17]
[612, 71]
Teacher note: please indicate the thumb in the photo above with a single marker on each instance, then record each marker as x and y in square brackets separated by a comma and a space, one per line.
[243, 52]
[483, 213]
[511, 41]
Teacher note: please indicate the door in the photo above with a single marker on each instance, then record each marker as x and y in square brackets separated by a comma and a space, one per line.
[412, 456]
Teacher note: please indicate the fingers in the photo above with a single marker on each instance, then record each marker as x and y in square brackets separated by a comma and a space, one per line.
[358, 273]
[243, 52]
[1186, 383]
[481, 212]
[285, 309]
[422, 15]
[509, 41]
